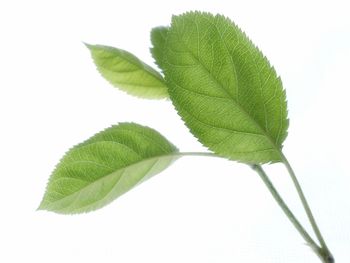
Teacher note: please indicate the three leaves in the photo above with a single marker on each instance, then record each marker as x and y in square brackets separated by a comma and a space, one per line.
[220, 84]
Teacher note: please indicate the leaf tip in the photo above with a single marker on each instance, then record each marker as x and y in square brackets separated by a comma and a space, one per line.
[89, 46]
[41, 207]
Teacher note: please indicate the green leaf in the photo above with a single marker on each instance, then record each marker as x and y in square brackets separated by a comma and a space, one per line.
[126, 72]
[158, 38]
[224, 88]
[97, 171]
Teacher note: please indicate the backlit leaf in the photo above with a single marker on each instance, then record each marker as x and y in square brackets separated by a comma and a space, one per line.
[97, 171]
[158, 38]
[128, 73]
[224, 88]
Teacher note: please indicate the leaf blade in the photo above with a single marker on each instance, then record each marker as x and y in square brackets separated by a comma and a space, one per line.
[128, 73]
[97, 171]
[158, 39]
[224, 88]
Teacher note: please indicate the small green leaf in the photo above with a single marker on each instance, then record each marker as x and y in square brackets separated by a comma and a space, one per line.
[224, 88]
[97, 171]
[158, 38]
[126, 72]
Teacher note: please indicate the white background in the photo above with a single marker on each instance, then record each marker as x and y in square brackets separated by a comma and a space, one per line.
[200, 209]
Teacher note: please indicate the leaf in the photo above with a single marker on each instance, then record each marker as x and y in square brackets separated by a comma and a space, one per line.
[158, 38]
[126, 72]
[224, 88]
[97, 171]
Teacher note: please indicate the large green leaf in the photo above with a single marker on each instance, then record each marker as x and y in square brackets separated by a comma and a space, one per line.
[128, 73]
[95, 172]
[224, 88]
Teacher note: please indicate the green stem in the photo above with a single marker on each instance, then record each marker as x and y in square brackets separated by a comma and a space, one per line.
[284, 207]
[205, 154]
[327, 256]
[322, 252]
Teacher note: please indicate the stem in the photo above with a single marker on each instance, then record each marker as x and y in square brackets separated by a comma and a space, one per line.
[205, 154]
[284, 207]
[324, 249]
[322, 252]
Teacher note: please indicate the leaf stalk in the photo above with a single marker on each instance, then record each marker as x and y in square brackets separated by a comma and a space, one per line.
[284, 207]
[323, 250]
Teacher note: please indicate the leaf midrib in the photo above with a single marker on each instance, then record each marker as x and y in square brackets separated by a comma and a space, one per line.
[112, 188]
[122, 55]
[160, 81]
[175, 154]
[140, 65]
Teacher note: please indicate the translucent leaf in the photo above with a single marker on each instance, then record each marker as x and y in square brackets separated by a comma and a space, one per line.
[126, 72]
[97, 171]
[224, 88]
[158, 38]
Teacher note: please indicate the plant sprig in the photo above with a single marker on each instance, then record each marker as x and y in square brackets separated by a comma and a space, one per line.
[224, 89]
